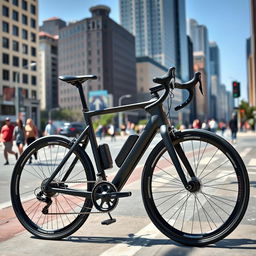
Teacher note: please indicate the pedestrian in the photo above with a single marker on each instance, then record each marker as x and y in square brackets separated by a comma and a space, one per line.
[19, 135]
[50, 129]
[196, 124]
[213, 125]
[31, 133]
[99, 131]
[233, 127]
[223, 127]
[7, 139]
[111, 132]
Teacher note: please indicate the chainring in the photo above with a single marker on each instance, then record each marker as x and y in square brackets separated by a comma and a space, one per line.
[100, 199]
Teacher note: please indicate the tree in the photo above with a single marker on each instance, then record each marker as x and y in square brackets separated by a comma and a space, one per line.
[247, 112]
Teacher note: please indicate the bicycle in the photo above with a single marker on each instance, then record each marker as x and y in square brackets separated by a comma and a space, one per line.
[195, 185]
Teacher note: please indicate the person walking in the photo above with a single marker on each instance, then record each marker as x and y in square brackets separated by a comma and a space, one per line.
[7, 139]
[111, 132]
[31, 133]
[50, 129]
[19, 135]
[233, 127]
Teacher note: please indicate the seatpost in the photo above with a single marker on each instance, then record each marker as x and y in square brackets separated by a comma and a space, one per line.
[82, 97]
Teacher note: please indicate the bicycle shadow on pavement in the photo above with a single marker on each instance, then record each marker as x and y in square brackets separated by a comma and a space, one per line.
[235, 243]
[133, 240]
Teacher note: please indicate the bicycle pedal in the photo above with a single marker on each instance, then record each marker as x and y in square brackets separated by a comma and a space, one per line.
[108, 222]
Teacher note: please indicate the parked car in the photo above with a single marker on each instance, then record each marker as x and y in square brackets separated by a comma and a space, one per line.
[73, 129]
[59, 124]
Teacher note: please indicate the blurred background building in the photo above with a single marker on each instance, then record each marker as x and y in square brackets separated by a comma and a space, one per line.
[251, 57]
[48, 55]
[99, 46]
[19, 88]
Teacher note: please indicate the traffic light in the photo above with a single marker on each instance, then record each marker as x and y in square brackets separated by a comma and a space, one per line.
[236, 89]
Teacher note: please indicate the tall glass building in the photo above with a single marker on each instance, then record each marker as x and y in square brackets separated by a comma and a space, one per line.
[199, 37]
[159, 27]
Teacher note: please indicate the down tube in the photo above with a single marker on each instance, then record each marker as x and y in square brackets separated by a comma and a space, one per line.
[136, 153]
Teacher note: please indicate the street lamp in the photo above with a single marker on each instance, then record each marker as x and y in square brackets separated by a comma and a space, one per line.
[32, 64]
[120, 103]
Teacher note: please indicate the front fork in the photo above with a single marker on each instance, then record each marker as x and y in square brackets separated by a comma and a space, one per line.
[172, 149]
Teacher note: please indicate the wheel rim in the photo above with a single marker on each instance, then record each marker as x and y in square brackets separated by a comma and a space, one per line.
[64, 209]
[206, 211]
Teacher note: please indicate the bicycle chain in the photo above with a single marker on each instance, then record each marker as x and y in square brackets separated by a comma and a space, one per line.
[79, 213]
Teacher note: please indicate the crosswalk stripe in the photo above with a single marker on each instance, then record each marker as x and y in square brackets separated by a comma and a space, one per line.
[148, 232]
[245, 152]
[252, 162]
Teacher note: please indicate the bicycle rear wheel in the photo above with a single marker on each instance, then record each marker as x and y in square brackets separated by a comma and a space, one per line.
[66, 213]
[218, 203]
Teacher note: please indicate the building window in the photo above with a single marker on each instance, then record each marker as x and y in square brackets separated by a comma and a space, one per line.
[5, 43]
[24, 19]
[15, 15]
[6, 75]
[24, 34]
[33, 51]
[15, 30]
[15, 61]
[24, 63]
[15, 2]
[33, 94]
[25, 78]
[5, 27]
[5, 11]
[24, 49]
[33, 23]
[33, 9]
[33, 80]
[33, 37]
[24, 5]
[15, 77]
[5, 58]
[15, 45]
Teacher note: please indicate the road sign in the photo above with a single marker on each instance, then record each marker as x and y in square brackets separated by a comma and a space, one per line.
[98, 100]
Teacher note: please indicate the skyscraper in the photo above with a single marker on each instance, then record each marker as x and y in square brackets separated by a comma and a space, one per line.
[199, 36]
[19, 90]
[159, 27]
[215, 78]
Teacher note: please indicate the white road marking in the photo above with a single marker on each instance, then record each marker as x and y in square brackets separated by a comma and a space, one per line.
[129, 249]
[252, 162]
[245, 152]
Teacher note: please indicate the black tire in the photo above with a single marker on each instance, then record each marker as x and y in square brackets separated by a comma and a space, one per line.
[209, 214]
[64, 216]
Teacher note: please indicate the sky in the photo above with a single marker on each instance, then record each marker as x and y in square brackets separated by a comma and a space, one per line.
[228, 23]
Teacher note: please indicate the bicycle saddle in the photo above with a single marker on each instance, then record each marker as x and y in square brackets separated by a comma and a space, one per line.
[74, 80]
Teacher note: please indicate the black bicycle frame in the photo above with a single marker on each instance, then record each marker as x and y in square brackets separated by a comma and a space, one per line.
[158, 120]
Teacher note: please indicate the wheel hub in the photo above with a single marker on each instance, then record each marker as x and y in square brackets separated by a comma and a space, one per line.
[46, 191]
[194, 186]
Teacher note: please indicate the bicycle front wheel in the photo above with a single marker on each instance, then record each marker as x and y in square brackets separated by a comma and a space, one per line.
[65, 213]
[218, 202]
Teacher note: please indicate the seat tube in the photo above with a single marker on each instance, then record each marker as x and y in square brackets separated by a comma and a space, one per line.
[82, 97]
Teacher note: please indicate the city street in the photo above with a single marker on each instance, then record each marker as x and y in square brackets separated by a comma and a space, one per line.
[133, 233]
